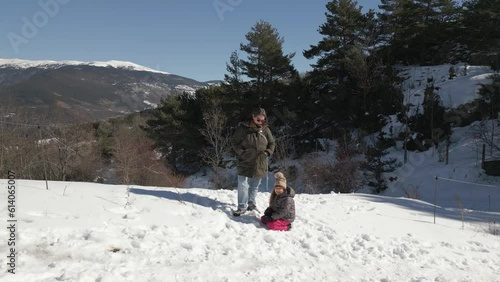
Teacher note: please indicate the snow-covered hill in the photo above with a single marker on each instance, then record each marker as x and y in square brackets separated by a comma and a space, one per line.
[93, 232]
[453, 92]
[24, 64]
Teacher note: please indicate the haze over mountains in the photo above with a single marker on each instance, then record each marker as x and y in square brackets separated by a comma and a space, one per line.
[86, 91]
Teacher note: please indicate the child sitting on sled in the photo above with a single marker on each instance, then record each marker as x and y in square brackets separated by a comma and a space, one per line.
[281, 211]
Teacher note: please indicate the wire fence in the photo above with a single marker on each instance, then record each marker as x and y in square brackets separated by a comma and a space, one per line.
[466, 195]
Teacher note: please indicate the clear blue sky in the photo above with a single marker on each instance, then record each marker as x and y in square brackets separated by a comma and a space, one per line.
[191, 38]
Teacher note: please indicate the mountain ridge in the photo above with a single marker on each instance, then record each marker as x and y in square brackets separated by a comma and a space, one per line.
[21, 63]
[87, 91]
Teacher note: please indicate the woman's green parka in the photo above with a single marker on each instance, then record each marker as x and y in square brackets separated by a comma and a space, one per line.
[252, 146]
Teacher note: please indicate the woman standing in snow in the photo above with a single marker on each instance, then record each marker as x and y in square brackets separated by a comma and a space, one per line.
[253, 143]
[281, 211]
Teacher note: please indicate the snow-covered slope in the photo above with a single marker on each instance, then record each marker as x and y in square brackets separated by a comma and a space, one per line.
[93, 232]
[23, 64]
[453, 92]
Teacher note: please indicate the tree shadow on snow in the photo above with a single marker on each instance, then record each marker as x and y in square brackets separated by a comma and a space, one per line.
[248, 218]
[429, 210]
[186, 197]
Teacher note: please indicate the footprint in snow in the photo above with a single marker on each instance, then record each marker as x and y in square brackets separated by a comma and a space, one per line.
[130, 216]
[140, 234]
[366, 237]
[136, 244]
[478, 247]
[230, 225]
[269, 239]
[187, 246]
[445, 244]
[305, 245]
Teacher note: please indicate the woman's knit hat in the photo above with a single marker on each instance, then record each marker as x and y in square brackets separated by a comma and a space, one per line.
[258, 112]
[279, 179]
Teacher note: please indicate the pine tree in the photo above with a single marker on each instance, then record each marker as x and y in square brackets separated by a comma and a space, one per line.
[489, 103]
[397, 20]
[266, 65]
[376, 164]
[234, 78]
[351, 81]
[481, 21]
[438, 30]
[434, 115]
[419, 31]
[174, 128]
[431, 125]
[346, 28]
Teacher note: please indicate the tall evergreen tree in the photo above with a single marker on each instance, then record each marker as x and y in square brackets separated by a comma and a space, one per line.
[234, 78]
[235, 88]
[373, 90]
[174, 128]
[489, 101]
[347, 75]
[419, 31]
[345, 28]
[377, 164]
[431, 126]
[438, 30]
[266, 65]
[438, 129]
[481, 21]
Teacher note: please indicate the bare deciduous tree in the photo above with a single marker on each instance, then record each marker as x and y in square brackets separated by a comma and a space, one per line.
[134, 159]
[37, 150]
[282, 157]
[128, 144]
[218, 137]
[412, 192]
[340, 175]
[72, 149]
[482, 133]
[284, 146]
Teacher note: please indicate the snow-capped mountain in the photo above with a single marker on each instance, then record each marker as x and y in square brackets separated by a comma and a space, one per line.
[25, 64]
[86, 91]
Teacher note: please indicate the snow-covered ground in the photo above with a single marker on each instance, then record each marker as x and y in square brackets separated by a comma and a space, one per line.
[453, 92]
[95, 232]
[462, 181]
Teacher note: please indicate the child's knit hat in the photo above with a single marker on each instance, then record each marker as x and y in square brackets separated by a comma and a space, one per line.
[279, 179]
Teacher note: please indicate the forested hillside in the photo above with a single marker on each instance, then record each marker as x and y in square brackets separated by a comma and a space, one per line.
[356, 86]
[357, 83]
